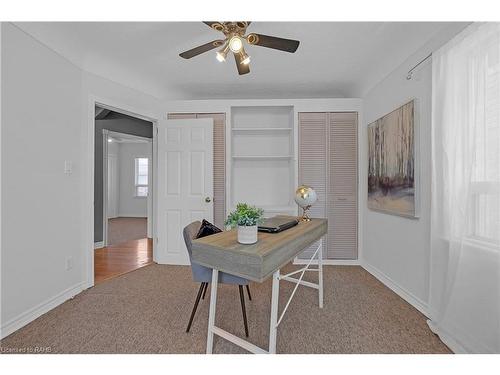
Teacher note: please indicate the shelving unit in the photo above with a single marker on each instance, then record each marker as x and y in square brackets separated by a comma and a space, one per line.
[262, 167]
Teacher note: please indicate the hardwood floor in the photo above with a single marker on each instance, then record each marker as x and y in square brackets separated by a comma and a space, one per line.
[115, 260]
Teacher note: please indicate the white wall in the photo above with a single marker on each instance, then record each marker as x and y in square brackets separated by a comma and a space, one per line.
[47, 118]
[111, 94]
[395, 246]
[396, 249]
[113, 148]
[41, 221]
[129, 205]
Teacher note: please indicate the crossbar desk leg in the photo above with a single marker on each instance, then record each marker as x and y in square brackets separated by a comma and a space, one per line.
[273, 323]
[211, 314]
[320, 273]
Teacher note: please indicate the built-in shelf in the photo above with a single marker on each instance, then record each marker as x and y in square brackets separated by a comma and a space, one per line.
[261, 129]
[262, 157]
[262, 149]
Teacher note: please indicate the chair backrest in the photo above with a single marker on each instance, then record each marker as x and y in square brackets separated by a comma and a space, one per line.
[189, 234]
[200, 273]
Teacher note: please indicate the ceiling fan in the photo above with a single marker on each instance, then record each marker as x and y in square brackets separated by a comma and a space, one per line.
[234, 33]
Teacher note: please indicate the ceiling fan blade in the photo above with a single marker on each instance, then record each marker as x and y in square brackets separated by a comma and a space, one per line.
[242, 68]
[287, 45]
[201, 49]
[216, 25]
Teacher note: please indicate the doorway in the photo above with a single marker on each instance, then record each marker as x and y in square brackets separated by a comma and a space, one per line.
[123, 208]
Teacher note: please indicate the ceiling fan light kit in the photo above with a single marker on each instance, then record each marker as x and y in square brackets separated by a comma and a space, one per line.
[235, 44]
[234, 33]
[222, 54]
[245, 59]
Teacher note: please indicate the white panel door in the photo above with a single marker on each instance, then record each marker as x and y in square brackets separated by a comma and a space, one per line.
[219, 160]
[185, 183]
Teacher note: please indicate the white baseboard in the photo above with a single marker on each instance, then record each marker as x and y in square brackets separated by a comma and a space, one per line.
[391, 284]
[450, 342]
[27, 317]
[98, 245]
[132, 215]
[329, 262]
[465, 345]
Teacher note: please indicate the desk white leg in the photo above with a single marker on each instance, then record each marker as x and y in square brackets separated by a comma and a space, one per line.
[320, 273]
[211, 313]
[273, 323]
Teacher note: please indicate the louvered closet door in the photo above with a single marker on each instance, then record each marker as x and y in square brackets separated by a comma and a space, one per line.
[342, 186]
[328, 163]
[313, 163]
[219, 160]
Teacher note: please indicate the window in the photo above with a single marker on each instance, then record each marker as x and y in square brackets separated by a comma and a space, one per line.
[485, 185]
[466, 138]
[141, 177]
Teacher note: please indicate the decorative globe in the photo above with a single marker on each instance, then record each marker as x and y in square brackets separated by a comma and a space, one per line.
[305, 197]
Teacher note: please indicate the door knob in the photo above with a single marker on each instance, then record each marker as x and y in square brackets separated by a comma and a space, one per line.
[208, 200]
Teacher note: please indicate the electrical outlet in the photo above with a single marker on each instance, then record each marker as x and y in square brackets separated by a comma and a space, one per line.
[69, 263]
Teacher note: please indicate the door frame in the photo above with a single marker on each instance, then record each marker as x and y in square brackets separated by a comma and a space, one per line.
[105, 135]
[88, 175]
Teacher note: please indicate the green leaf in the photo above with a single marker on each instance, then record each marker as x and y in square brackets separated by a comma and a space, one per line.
[245, 215]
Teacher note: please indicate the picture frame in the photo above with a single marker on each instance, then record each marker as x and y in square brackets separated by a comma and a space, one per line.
[393, 162]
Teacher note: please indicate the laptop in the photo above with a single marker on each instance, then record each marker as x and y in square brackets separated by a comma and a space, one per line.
[277, 224]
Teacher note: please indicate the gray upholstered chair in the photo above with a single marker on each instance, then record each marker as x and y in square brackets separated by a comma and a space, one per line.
[203, 275]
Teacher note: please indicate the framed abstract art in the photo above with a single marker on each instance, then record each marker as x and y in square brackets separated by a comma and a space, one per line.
[391, 162]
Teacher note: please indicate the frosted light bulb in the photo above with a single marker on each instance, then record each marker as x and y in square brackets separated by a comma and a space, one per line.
[220, 56]
[235, 44]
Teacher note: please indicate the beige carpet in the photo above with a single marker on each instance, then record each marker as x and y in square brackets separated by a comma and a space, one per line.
[123, 229]
[146, 311]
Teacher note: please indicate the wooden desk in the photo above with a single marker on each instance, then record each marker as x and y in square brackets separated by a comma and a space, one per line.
[257, 262]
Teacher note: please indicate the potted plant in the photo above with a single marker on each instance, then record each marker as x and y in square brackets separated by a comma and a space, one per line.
[247, 218]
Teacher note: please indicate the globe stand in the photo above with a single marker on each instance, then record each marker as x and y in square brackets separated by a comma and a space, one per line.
[305, 216]
[305, 197]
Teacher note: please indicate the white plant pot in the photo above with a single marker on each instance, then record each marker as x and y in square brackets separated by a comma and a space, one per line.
[247, 234]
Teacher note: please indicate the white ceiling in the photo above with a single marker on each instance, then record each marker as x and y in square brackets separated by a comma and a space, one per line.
[334, 59]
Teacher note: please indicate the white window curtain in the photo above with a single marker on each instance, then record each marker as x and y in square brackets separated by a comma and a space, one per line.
[464, 302]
